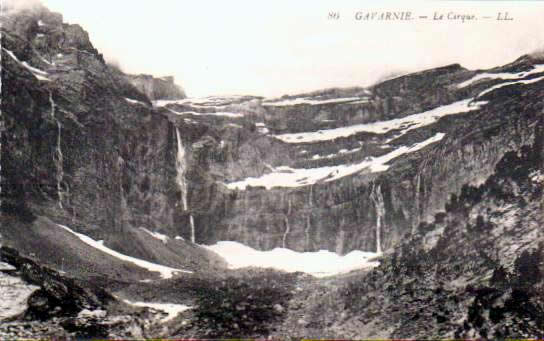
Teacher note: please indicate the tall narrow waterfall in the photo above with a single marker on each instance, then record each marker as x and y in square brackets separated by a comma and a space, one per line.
[418, 200]
[2, 128]
[192, 222]
[181, 168]
[58, 158]
[377, 197]
[287, 229]
[289, 206]
[307, 231]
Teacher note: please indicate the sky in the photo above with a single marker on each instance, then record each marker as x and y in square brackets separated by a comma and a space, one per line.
[271, 48]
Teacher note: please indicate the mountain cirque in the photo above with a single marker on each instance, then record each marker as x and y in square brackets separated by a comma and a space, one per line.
[112, 185]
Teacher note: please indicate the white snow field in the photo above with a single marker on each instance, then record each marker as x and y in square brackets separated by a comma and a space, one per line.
[165, 271]
[296, 177]
[311, 101]
[194, 113]
[318, 264]
[381, 127]
[498, 86]
[169, 308]
[210, 101]
[502, 75]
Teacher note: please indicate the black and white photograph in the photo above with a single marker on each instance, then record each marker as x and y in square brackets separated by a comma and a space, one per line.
[282, 170]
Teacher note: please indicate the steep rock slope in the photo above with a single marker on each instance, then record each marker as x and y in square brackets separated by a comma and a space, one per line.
[82, 146]
[475, 271]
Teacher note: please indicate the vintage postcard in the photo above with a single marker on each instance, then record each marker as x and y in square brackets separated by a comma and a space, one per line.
[271, 169]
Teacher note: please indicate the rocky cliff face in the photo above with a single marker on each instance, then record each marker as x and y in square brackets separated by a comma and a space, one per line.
[281, 193]
[157, 88]
[473, 271]
[81, 144]
[340, 169]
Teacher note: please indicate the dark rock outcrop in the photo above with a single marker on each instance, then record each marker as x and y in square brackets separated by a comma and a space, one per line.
[157, 88]
[58, 295]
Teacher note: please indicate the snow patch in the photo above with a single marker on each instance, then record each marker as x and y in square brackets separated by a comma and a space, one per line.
[133, 101]
[165, 271]
[537, 176]
[6, 266]
[34, 70]
[46, 61]
[234, 125]
[261, 128]
[296, 177]
[39, 74]
[364, 101]
[86, 313]
[310, 101]
[504, 75]
[319, 264]
[188, 120]
[405, 124]
[162, 237]
[498, 86]
[211, 101]
[172, 310]
[194, 113]
[341, 151]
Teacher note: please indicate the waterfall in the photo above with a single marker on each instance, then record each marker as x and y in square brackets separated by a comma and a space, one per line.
[420, 192]
[307, 231]
[377, 197]
[287, 229]
[2, 127]
[418, 204]
[310, 199]
[181, 181]
[58, 158]
[192, 220]
[289, 206]
[180, 168]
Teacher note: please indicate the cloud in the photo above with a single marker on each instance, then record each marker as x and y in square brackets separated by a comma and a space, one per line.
[11, 6]
[538, 53]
